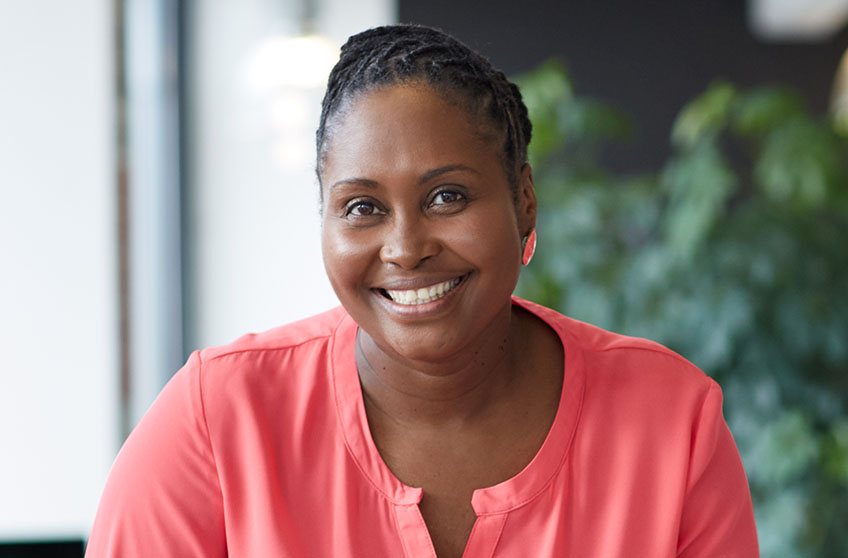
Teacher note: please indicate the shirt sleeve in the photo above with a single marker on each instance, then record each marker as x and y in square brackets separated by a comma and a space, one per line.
[718, 517]
[163, 497]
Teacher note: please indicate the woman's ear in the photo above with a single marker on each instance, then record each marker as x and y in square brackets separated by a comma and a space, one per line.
[527, 204]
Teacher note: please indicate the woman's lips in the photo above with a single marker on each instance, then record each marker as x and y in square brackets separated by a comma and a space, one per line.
[422, 295]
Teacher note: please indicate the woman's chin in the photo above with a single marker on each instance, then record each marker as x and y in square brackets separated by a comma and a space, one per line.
[420, 346]
[450, 342]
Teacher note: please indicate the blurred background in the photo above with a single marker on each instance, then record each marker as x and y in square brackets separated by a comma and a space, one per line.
[157, 195]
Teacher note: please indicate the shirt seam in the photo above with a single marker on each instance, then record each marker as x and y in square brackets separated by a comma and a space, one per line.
[208, 433]
[263, 349]
[400, 534]
[698, 418]
[500, 533]
[423, 525]
[660, 351]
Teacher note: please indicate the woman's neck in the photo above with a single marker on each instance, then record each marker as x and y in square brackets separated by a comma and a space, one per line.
[456, 390]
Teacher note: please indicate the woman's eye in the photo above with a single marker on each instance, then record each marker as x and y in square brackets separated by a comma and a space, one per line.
[361, 209]
[447, 196]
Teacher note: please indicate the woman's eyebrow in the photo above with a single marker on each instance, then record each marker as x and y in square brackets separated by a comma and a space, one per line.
[354, 182]
[426, 177]
[434, 173]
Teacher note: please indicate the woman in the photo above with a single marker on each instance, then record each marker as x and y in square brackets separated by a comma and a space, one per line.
[433, 414]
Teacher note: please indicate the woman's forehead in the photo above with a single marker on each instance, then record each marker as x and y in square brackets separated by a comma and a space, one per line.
[400, 125]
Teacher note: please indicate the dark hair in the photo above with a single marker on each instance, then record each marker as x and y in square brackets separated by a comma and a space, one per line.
[406, 53]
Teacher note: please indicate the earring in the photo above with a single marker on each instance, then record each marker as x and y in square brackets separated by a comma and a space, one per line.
[529, 247]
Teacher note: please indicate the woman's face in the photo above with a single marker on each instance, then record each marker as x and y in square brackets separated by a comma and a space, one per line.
[421, 234]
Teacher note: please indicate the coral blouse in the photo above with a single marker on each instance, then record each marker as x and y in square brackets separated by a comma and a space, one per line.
[262, 448]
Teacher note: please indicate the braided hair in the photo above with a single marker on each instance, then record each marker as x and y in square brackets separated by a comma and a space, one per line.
[399, 54]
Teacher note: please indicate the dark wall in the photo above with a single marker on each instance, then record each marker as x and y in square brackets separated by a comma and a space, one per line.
[646, 57]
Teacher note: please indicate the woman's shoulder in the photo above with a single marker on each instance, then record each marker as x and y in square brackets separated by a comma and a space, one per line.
[623, 359]
[319, 328]
[632, 384]
[283, 362]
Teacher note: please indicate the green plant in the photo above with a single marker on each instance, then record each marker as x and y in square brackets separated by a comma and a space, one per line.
[734, 254]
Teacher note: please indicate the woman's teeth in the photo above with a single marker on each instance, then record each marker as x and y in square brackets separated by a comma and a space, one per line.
[424, 294]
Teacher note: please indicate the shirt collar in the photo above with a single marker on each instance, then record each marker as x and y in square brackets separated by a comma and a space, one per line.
[500, 498]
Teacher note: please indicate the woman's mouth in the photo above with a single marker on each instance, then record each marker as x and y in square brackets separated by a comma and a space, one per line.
[423, 295]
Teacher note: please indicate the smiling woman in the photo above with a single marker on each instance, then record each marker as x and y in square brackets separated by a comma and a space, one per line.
[433, 413]
[416, 198]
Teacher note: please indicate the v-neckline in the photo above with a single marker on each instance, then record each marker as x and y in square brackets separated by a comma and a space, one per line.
[495, 500]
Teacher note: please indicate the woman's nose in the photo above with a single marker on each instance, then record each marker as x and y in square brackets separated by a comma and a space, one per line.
[409, 242]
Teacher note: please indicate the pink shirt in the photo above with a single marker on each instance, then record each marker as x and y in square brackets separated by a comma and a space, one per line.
[262, 448]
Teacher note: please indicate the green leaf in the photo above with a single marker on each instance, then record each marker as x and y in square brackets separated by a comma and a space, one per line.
[546, 92]
[704, 117]
[800, 162]
[760, 111]
[699, 184]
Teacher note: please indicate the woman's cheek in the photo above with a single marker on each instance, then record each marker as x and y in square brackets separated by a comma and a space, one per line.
[492, 235]
[346, 256]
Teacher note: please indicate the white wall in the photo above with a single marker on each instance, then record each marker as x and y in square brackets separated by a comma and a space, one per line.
[255, 258]
[58, 291]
